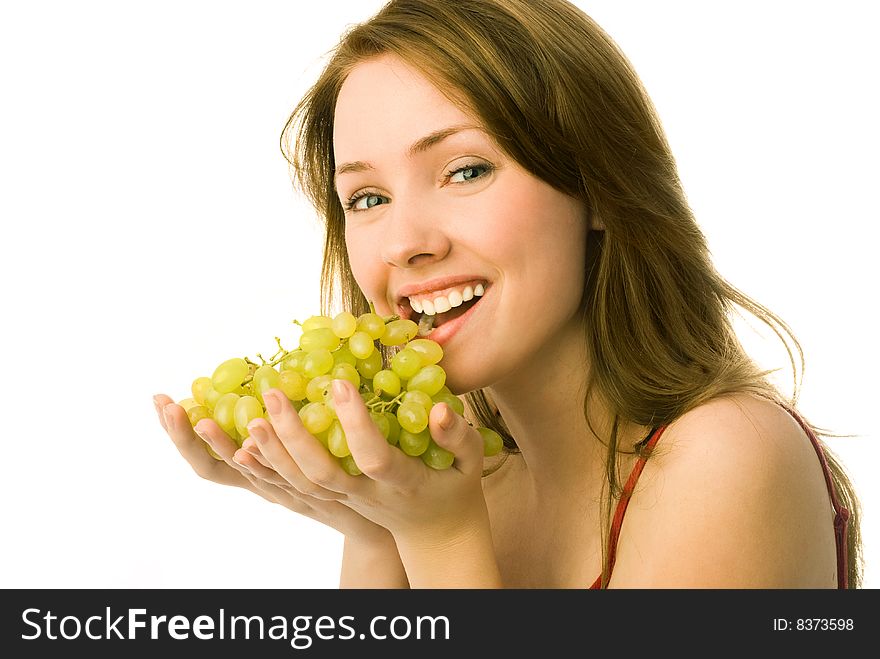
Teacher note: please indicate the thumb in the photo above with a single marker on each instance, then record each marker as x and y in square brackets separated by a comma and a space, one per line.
[451, 431]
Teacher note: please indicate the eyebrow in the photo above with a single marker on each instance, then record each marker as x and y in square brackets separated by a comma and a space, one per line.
[419, 146]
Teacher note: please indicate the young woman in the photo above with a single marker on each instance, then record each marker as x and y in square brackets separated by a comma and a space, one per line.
[507, 147]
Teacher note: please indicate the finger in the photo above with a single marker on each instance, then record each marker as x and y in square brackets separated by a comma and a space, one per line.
[247, 461]
[250, 445]
[293, 452]
[373, 454]
[283, 496]
[192, 448]
[159, 402]
[452, 432]
[214, 436]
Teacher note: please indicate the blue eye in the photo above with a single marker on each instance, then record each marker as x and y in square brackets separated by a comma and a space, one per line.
[363, 201]
[468, 173]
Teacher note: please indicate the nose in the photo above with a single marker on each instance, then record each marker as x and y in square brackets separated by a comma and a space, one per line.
[413, 235]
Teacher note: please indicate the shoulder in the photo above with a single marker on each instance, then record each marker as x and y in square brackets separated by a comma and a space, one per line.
[734, 496]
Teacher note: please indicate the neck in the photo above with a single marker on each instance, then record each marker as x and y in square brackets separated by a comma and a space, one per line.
[543, 407]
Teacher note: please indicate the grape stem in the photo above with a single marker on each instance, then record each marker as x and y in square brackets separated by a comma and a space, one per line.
[377, 404]
[274, 360]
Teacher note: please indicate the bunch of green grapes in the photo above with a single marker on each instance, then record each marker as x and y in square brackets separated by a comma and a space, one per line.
[399, 394]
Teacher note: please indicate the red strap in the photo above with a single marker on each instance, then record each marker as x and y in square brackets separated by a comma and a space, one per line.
[628, 490]
[841, 514]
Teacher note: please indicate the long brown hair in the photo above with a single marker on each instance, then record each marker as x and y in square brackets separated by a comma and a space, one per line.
[560, 98]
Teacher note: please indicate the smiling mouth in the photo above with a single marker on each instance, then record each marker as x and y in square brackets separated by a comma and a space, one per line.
[428, 322]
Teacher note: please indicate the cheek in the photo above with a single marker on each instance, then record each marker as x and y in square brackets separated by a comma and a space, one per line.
[366, 268]
[541, 229]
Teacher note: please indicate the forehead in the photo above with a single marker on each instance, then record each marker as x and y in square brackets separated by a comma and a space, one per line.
[385, 102]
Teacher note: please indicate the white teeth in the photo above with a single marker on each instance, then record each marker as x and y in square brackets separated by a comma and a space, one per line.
[443, 303]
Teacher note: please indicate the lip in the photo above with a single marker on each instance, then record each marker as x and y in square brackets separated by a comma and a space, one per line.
[450, 328]
[438, 284]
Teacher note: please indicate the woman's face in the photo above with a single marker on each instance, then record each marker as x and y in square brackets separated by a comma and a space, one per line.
[435, 210]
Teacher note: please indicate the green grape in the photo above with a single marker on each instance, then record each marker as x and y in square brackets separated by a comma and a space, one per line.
[343, 355]
[224, 414]
[393, 428]
[387, 382]
[265, 377]
[447, 397]
[437, 457]
[316, 417]
[247, 408]
[350, 466]
[315, 322]
[196, 413]
[294, 361]
[342, 347]
[229, 375]
[317, 362]
[372, 324]
[199, 389]
[382, 423]
[344, 324]
[317, 386]
[322, 337]
[337, 443]
[412, 417]
[370, 366]
[492, 441]
[322, 437]
[398, 332]
[329, 401]
[187, 403]
[430, 351]
[211, 398]
[346, 371]
[419, 397]
[429, 379]
[293, 384]
[406, 363]
[361, 345]
[414, 443]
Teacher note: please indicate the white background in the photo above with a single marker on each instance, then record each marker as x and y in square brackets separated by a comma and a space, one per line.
[150, 230]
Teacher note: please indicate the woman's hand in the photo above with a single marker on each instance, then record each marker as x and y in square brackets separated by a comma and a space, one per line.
[245, 467]
[438, 518]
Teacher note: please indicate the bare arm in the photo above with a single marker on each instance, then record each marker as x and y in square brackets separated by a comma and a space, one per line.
[371, 565]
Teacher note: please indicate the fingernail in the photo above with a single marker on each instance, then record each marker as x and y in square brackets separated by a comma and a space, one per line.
[156, 404]
[257, 433]
[446, 418]
[340, 391]
[272, 403]
[201, 433]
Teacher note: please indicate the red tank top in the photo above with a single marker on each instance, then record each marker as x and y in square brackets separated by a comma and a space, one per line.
[840, 518]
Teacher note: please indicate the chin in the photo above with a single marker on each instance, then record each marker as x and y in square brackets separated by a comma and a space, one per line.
[471, 377]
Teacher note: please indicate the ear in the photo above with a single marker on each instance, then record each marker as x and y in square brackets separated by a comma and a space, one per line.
[595, 223]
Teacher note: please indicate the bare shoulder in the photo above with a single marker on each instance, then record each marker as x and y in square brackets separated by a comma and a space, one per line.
[733, 497]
